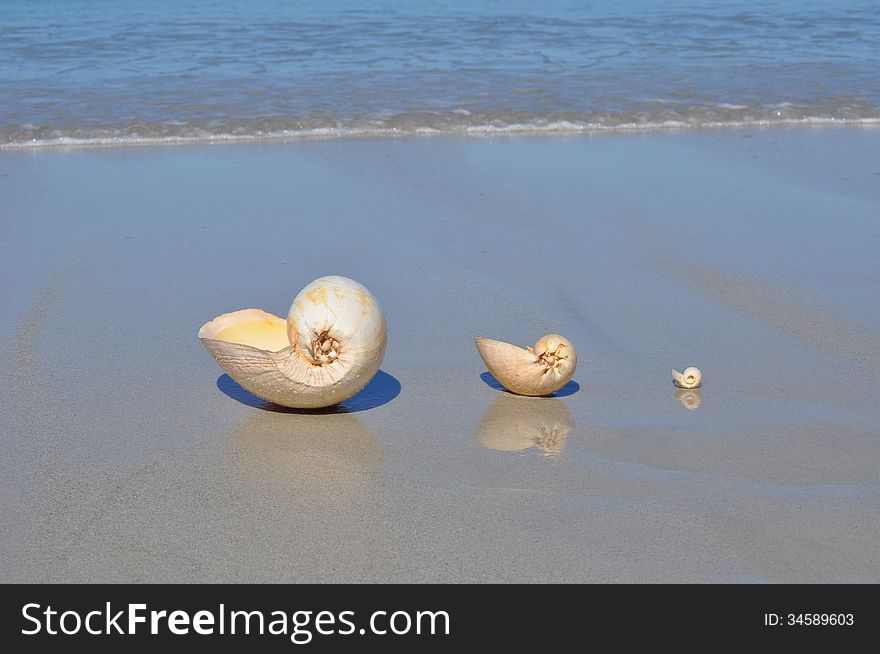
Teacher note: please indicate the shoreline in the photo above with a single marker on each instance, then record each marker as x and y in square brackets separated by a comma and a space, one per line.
[560, 129]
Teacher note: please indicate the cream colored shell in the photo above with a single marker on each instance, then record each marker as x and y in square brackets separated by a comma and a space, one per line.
[532, 371]
[328, 349]
[690, 378]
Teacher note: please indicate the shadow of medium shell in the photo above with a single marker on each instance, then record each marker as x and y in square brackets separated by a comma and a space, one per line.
[328, 349]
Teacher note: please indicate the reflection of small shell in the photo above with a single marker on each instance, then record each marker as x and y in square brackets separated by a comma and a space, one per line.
[534, 371]
[690, 378]
[689, 397]
[328, 349]
[512, 425]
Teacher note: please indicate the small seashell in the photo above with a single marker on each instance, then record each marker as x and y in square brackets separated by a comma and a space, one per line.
[288, 362]
[534, 371]
[690, 378]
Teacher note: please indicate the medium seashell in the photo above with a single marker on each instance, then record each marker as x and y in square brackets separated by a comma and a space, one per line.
[690, 378]
[328, 349]
[534, 371]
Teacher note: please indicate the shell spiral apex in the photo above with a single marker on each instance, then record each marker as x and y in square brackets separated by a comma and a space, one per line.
[532, 371]
[329, 347]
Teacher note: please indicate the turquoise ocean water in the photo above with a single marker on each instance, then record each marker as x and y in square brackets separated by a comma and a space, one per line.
[104, 71]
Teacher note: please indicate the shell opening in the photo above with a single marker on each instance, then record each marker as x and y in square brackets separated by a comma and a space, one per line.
[251, 327]
[325, 349]
[552, 359]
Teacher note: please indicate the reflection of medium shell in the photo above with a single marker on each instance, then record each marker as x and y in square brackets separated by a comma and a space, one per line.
[534, 371]
[690, 378]
[511, 425]
[328, 349]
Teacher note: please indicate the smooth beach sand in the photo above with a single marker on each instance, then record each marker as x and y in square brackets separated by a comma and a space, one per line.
[755, 255]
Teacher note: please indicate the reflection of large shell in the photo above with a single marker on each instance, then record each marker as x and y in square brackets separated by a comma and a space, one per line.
[533, 371]
[328, 349]
[511, 425]
[298, 457]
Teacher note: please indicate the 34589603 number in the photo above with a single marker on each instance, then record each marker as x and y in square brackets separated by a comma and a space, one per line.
[820, 619]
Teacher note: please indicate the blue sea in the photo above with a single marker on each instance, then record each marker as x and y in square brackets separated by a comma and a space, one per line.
[130, 71]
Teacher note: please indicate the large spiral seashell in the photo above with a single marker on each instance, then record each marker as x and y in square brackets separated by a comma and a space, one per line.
[328, 349]
[531, 371]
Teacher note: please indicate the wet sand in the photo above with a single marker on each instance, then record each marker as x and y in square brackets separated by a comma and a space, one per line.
[126, 455]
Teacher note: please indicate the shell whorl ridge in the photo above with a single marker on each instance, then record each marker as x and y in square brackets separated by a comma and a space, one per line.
[540, 370]
[328, 349]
